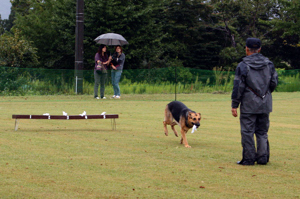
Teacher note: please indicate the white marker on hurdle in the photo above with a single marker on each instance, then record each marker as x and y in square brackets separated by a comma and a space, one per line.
[103, 115]
[65, 114]
[83, 114]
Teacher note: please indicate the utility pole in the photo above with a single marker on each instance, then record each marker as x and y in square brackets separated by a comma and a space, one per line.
[79, 48]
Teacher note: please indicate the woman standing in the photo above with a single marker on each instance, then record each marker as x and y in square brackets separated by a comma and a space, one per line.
[100, 71]
[117, 65]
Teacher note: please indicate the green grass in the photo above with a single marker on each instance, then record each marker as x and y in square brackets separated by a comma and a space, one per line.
[86, 159]
[289, 83]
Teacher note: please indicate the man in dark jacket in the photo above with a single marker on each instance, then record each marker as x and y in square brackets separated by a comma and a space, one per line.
[255, 80]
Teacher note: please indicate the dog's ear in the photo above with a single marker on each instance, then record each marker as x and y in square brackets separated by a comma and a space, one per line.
[189, 115]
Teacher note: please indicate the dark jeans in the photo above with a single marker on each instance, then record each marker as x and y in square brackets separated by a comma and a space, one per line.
[257, 124]
[99, 79]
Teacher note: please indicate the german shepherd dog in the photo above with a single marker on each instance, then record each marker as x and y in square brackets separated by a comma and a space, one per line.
[183, 116]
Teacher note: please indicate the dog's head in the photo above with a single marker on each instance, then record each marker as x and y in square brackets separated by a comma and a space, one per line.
[194, 118]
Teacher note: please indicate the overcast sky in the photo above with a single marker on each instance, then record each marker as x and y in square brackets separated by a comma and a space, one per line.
[5, 8]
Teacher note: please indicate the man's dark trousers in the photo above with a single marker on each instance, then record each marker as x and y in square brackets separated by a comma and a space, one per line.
[257, 124]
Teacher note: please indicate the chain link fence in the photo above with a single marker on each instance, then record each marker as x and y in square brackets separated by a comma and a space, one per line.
[38, 81]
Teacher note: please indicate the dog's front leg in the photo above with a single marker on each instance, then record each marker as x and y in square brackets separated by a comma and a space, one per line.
[183, 138]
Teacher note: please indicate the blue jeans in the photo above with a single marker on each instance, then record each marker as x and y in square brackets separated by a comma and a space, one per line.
[115, 79]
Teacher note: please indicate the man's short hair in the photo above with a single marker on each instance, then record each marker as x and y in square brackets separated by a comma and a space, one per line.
[253, 43]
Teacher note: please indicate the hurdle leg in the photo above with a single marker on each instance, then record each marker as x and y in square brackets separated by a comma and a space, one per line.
[16, 124]
[113, 124]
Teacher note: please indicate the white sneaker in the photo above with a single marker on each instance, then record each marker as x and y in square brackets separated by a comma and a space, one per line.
[103, 98]
[117, 97]
[113, 96]
[97, 98]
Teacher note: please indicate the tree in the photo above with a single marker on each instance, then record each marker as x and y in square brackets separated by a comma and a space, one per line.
[190, 33]
[2, 26]
[238, 20]
[135, 20]
[285, 34]
[15, 51]
[189, 37]
[6, 24]
[50, 25]
[287, 18]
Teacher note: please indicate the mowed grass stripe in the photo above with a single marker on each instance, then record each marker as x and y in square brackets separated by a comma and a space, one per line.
[86, 159]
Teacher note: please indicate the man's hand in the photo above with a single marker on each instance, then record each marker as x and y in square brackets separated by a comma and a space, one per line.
[234, 112]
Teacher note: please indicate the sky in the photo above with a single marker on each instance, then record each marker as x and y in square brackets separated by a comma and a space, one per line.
[5, 8]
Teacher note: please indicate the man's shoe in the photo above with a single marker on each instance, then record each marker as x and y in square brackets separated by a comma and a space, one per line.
[262, 163]
[103, 97]
[262, 160]
[97, 98]
[243, 162]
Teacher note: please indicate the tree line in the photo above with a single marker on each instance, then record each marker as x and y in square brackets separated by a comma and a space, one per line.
[199, 34]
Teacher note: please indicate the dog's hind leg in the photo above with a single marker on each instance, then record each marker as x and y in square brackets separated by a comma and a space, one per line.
[172, 126]
[168, 119]
[165, 128]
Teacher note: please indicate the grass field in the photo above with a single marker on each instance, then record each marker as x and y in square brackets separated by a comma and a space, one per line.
[86, 159]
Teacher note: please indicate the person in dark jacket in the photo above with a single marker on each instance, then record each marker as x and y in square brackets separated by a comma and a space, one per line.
[255, 80]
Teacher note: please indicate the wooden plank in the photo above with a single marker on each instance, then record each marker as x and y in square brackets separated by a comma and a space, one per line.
[63, 117]
[69, 117]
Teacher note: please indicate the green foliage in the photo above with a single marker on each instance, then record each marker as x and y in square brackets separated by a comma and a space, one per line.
[134, 81]
[51, 26]
[135, 20]
[200, 34]
[7, 24]
[18, 81]
[189, 35]
[289, 81]
[287, 18]
[223, 79]
[238, 20]
[2, 26]
[284, 34]
[231, 53]
[15, 51]
[12, 81]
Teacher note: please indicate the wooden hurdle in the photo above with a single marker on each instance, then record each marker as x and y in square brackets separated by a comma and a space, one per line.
[66, 117]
